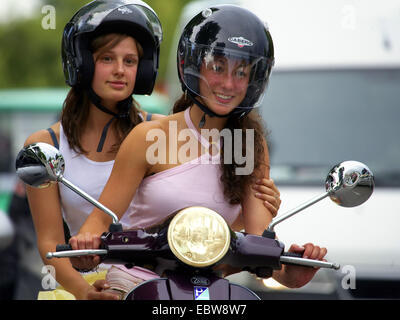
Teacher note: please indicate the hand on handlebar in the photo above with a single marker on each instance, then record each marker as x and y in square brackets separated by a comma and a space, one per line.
[83, 241]
[297, 276]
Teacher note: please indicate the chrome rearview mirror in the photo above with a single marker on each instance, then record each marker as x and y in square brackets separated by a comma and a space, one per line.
[40, 164]
[348, 184]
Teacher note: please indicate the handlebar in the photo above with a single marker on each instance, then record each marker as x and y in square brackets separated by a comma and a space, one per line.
[63, 247]
[292, 254]
[288, 258]
[291, 258]
[66, 251]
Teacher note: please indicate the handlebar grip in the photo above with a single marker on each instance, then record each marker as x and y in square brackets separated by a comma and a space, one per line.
[63, 247]
[292, 254]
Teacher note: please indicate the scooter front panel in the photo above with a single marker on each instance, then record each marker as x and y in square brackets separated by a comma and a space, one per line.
[154, 289]
[187, 286]
[239, 292]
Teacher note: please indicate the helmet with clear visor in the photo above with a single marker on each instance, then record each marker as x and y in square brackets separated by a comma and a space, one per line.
[132, 17]
[225, 55]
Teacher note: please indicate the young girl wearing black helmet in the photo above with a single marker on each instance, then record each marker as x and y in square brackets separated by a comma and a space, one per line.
[224, 67]
[110, 50]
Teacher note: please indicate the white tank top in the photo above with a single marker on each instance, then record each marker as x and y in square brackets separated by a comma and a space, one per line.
[88, 175]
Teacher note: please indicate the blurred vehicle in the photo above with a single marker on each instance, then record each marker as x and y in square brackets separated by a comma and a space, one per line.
[22, 112]
[333, 95]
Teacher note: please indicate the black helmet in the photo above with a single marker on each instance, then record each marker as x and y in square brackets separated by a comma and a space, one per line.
[135, 18]
[234, 34]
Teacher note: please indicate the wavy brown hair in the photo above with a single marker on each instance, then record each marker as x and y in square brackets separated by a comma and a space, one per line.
[236, 186]
[76, 106]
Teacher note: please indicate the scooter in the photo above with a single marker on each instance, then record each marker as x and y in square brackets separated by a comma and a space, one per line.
[192, 241]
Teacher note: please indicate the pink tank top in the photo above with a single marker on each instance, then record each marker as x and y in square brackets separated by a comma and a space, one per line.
[194, 183]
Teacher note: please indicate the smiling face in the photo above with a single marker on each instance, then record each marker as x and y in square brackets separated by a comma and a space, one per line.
[115, 69]
[223, 83]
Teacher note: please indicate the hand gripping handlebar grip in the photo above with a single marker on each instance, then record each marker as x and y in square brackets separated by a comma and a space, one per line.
[63, 247]
[292, 254]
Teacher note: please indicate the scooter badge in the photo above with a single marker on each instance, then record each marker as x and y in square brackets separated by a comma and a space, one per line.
[201, 293]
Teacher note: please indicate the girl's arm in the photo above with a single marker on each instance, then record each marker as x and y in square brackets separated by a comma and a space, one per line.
[257, 217]
[45, 208]
[265, 190]
[130, 167]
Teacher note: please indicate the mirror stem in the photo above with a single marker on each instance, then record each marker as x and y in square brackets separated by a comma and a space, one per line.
[292, 212]
[88, 198]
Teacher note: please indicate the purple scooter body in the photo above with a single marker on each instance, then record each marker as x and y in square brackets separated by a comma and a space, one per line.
[256, 254]
[180, 286]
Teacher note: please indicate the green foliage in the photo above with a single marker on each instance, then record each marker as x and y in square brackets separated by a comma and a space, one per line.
[30, 56]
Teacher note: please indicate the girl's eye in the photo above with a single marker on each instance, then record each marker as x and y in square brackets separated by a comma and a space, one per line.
[131, 61]
[241, 73]
[217, 68]
[106, 59]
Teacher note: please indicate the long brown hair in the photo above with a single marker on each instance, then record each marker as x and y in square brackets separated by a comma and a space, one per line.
[76, 106]
[236, 186]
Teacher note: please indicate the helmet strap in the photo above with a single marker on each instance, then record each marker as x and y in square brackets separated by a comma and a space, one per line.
[234, 113]
[124, 105]
[202, 121]
[203, 107]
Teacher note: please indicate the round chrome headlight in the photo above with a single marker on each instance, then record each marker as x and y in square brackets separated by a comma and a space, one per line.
[199, 236]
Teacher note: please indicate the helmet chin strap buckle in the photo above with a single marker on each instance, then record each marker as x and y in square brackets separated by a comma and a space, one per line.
[242, 115]
[202, 121]
[210, 113]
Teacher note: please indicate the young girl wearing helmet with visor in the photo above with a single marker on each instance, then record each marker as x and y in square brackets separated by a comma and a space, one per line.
[110, 50]
[224, 68]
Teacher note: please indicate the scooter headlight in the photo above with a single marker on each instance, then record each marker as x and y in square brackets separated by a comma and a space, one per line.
[199, 236]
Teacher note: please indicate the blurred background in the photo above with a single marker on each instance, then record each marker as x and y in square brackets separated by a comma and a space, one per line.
[333, 96]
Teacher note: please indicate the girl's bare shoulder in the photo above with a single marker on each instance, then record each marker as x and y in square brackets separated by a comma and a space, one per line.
[156, 116]
[160, 122]
[44, 135]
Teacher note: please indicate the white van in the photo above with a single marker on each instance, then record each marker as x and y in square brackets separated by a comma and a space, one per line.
[334, 95]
